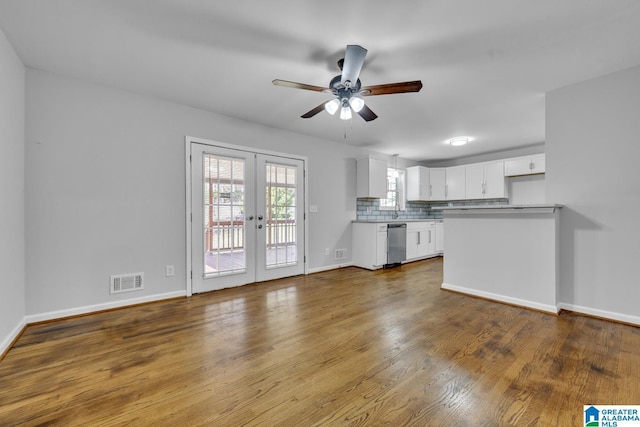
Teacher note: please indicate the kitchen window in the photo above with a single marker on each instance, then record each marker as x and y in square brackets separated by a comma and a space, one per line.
[396, 197]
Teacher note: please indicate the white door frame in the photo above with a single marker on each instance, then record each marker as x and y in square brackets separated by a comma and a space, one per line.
[188, 141]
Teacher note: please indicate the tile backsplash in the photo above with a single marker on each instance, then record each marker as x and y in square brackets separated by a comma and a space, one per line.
[369, 209]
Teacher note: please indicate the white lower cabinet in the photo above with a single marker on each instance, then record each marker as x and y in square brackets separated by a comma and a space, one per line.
[421, 240]
[369, 244]
[381, 246]
[415, 239]
[424, 239]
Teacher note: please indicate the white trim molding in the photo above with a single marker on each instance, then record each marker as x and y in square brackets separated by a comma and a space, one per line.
[59, 314]
[328, 267]
[5, 344]
[594, 312]
[502, 298]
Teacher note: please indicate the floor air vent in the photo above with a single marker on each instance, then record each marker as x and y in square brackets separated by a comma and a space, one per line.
[127, 282]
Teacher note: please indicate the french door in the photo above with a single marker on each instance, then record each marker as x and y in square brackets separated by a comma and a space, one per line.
[247, 217]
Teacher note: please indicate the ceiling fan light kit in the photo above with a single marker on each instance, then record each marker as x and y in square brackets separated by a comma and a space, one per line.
[356, 103]
[348, 90]
[345, 113]
[332, 106]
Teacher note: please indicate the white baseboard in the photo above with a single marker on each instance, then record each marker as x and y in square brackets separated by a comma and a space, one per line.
[328, 267]
[626, 318]
[502, 298]
[8, 340]
[33, 318]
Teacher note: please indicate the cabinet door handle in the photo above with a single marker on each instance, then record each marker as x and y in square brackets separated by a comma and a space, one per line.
[430, 190]
[446, 190]
[419, 236]
[429, 236]
[532, 166]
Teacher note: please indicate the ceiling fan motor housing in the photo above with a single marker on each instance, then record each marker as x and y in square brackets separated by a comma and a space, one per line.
[341, 91]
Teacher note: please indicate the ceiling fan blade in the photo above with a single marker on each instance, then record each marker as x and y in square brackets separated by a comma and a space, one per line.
[391, 88]
[294, 85]
[313, 112]
[367, 114]
[353, 60]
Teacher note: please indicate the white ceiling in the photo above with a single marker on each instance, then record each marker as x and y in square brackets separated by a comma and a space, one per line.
[485, 65]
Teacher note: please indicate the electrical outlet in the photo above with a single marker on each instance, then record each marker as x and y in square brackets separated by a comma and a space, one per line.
[169, 270]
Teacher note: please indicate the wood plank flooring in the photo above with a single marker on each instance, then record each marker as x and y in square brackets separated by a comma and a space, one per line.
[346, 347]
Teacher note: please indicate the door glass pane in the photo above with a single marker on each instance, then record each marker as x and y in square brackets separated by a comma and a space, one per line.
[223, 193]
[281, 199]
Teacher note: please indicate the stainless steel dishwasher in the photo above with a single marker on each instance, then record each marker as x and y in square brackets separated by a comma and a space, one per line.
[396, 244]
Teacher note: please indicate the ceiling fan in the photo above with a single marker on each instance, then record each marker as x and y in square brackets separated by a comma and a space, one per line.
[348, 89]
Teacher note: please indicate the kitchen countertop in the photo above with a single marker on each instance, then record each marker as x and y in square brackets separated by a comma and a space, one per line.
[533, 207]
[391, 221]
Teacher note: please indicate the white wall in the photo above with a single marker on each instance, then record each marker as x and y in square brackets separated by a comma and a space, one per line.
[12, 239]
[105, 189]
[593, 153]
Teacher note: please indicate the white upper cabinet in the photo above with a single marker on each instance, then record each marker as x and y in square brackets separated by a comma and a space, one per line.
[485, 181]
[495, 186]
[526, 165]
[371, 178]
[469, 182]
[425, 183]
[437, 183]
[418, 187]
[538, 163]
[474, 182]
[455, 183]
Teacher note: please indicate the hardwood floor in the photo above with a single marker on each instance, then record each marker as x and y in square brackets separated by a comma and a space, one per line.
[339, 348]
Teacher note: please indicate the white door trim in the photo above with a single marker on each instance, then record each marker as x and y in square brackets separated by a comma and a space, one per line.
[188, 141]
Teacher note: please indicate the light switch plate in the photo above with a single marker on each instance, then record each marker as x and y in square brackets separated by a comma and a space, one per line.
[169, 270]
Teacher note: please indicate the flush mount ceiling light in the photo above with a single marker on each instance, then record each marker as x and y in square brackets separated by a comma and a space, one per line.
[460, 140]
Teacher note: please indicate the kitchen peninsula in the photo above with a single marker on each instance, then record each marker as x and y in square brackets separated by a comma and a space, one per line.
[507, 253]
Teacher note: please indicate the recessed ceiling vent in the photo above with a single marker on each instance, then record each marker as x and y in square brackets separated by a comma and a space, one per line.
[127, 282]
